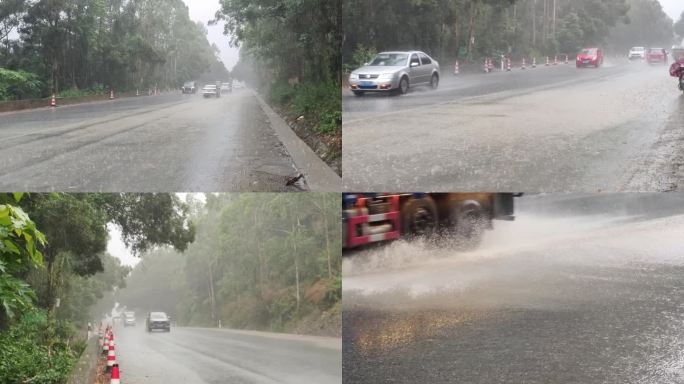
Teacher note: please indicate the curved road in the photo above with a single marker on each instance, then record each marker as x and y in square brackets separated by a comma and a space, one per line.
[616, 128]
[213, 356]
[171, 142]
[579, 289]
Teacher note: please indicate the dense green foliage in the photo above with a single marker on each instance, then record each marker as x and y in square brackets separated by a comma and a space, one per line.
[35, 350]
[290, 44]
[19, 85]
[260, 261]
[53, 269]
[117, 44]
[475, 29]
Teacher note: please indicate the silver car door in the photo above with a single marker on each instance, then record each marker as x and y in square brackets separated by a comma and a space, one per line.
[415, 72]
[426, 66]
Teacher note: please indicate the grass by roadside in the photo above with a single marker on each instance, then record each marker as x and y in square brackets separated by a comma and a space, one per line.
[314, 111]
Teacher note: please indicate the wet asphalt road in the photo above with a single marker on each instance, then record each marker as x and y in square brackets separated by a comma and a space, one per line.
[580, 289]
[616, 128]
[171, 142]
[212, 356]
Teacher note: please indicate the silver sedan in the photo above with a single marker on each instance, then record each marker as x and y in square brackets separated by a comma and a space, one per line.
[395, 71]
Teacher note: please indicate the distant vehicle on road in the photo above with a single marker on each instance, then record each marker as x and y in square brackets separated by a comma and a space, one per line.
[589, 57]
[158, 320]
[227, 87]
[129, 319]
[637, 53]
[395, 72]
[189, 87]
[211, 90]
[656, 55]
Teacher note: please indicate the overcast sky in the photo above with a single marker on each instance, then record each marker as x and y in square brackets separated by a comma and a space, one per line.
[204, 10]
[673, 8]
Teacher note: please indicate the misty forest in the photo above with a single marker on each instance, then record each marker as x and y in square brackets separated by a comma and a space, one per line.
[254, 261]
[470, 30]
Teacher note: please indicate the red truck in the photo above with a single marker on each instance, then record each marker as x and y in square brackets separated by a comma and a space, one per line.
[375, 217]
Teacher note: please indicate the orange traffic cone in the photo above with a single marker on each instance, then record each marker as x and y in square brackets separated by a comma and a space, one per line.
[53, 102]
[555, 60]
[137, 92]
[111, 356]
[566, 59]
[523, 64]
[534, 62]
[111, 95]
[456, 72]
[508, 65]
[548, 61]
[115, 374]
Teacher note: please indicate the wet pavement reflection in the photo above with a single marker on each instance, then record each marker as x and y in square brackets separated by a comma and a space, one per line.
[580, 289]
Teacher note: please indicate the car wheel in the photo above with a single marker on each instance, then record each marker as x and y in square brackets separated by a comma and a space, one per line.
[434, 82]
[403, 85]
[359, 93]
[419, 217]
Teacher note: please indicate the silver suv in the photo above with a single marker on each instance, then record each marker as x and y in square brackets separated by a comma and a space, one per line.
[395, 72]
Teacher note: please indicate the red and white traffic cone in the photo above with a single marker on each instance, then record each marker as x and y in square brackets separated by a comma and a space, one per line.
[105, 343]
[137, 92]
[456, 72]
[548, 61]
[508, 65]
[53, 101]
[111, 95]
[491, 65]
[566, 59]
[523, 64]
[555, 60]
[485, 66]
[111, 355]
[534, 62]
[115, 375]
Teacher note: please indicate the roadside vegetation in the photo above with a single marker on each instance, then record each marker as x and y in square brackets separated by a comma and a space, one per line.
[472, 30]
[260, 261]
[290, 52]
[54, 268]
[85, 47]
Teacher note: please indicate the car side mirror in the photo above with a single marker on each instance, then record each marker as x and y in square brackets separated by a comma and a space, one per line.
[414, 64]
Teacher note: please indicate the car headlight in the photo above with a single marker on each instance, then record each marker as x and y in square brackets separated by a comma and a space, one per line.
[354, 76]
[386, 76]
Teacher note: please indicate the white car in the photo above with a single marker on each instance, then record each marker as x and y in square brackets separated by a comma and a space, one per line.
[637, 53]
[211, 90]
[395, 72]
[129, 319]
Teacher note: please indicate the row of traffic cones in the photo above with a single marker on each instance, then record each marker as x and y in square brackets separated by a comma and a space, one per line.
[152, 91]
[488, 66]
[107, 341]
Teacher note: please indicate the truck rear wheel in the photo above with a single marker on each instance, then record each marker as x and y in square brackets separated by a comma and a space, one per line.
[468, 221]
[419, 217]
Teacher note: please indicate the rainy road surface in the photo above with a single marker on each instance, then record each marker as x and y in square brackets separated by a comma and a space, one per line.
[213, 356]
[579, 289]
[171, 142]
[616, 128]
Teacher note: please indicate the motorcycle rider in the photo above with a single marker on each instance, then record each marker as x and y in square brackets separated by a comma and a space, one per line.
[677, 67]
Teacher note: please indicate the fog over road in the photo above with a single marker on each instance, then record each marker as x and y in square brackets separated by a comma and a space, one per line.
[171, 142]
[213, 356]
[579, 289]
[558, 128]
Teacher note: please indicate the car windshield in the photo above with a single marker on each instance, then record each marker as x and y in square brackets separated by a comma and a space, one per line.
[588, 51]
[638, 49]
[158, 316]
[188, 84]
[389, 59]
[210, 87]
[129, 314]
